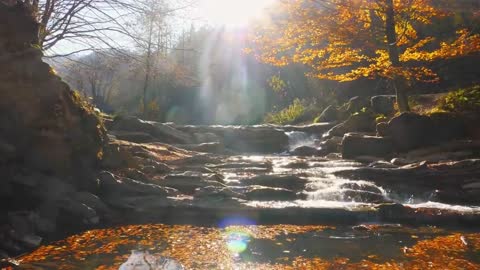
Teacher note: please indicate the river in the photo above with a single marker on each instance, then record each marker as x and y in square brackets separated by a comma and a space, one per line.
[326, 222]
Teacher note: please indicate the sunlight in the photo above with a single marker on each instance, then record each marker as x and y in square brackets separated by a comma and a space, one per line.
[232, 13]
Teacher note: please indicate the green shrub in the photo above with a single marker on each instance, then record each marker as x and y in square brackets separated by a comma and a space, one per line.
[461, 101]
[288, 115]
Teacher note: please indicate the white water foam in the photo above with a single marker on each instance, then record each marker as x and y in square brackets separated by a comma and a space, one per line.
[297, 139]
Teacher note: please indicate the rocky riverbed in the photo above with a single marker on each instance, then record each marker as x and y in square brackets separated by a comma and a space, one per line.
[203, 176]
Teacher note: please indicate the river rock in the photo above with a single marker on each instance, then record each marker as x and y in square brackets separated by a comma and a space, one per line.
[332, 144]
[306, 151]
[261, 193]
[401, 161]
[111, 185]
[115, 156]
[290, 182]
[7, 151]
[155, 167]
[359, 122]
[383, 104]
[356, 104]
[362, 187]
[187, 184]
[410, 130]
[77, 209]
[134, 174]
[448, 126]
[133, 136]
[363, 196]
[382, 164]
[210, 147]
[91, 201]
[162, 132]
[382, 129]
[246, 139]
[354, 145]
[255, 140]
[472, 185]
[206, 137]
[315, 129]
[216, 192]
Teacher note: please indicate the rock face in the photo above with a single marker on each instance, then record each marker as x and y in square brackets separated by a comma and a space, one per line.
[50, 139]
[42, 121]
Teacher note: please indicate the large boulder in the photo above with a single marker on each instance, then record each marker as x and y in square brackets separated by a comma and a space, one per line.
[332, 145]
[409, 130]
[449, 126]
[383, 104]
[330, 114]
[357, 122]
[46, 124]
[356, 104]
[354, 145]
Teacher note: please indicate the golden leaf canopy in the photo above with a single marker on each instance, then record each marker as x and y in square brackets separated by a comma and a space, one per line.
[345, 40]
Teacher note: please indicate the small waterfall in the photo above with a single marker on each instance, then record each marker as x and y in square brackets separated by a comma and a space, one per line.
[342, 190]
[298, 138]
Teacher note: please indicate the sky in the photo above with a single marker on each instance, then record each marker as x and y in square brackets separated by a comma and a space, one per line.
[234, 13]
[216, 13]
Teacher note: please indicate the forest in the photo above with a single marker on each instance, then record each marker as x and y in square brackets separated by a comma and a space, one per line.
[197, 74]
[253, 134]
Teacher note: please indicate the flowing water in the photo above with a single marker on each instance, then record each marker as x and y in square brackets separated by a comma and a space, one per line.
[240, 243]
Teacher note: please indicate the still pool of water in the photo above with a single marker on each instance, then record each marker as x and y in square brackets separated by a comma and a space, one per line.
[370, 246]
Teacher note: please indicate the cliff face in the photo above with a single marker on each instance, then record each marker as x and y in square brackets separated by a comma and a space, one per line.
[43, 124]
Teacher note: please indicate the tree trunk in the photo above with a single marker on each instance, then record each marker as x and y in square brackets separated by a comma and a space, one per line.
[402, 97]
[148, 67]
[400, 89]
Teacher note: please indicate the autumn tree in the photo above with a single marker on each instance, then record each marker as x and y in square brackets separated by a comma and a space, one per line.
[345, 40]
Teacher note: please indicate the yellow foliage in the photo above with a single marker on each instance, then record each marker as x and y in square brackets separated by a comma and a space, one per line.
[206, 248]
[345, 40]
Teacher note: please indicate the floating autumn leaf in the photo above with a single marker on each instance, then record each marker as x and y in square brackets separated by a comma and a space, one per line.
[208, 248]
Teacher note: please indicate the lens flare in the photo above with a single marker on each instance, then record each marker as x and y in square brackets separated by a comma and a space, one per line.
[236, 237]
[237, 241]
